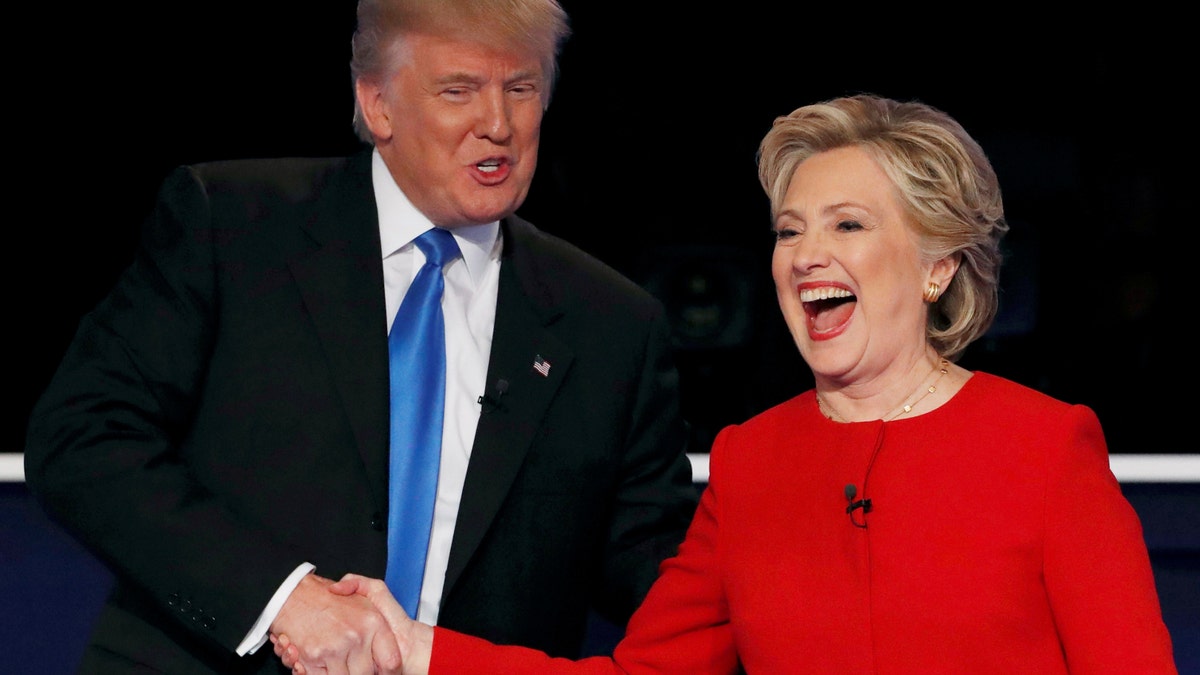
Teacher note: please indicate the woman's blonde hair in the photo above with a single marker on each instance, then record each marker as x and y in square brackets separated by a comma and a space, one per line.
[944, 179]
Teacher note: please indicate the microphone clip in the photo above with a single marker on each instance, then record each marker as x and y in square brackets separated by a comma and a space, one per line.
[491, 403]
[864, 504]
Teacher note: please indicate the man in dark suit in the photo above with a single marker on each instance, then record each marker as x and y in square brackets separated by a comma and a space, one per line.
[218, 431]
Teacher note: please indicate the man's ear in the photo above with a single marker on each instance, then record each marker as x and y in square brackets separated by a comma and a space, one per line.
[374, 112]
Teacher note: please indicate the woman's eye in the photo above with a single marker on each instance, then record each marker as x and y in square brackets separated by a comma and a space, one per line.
[849, 225]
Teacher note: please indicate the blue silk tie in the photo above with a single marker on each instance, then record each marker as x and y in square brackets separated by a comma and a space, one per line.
[417, 357]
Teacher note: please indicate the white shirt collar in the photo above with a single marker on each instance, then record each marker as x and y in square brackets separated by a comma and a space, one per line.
[400, 223]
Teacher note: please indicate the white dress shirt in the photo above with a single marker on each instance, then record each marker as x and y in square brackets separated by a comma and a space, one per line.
[469, 307]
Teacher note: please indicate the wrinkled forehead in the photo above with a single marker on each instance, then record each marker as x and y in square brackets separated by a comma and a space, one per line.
[500, 45]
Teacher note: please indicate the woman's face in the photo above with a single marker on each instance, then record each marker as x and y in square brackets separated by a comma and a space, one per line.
[847, 269]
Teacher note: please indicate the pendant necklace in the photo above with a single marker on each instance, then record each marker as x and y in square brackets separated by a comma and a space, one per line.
[941, 368]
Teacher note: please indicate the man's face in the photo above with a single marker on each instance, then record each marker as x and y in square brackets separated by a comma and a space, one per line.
[458, 126]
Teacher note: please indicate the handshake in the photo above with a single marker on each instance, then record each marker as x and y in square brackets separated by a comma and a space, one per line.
[350, 627]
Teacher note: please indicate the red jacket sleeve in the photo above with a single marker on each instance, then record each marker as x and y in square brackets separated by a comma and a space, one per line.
[1096, 564]
[682, 626]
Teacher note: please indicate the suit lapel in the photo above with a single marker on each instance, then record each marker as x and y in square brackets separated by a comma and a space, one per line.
[335, 279]
[521, 338]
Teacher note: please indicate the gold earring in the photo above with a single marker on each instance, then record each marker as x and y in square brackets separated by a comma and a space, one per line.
[932, 292]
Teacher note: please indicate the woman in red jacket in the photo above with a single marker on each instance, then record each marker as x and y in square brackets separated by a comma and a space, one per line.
[906, 515]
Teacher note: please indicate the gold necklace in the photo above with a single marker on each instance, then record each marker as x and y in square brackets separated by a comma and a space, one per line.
[828, 410]
[941, 368]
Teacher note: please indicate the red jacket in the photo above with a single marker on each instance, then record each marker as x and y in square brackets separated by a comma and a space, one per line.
[998, 541]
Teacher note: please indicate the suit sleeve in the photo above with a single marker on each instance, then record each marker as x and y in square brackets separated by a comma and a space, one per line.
[656, 498]
[105, 447]
[1098, 575]
[682, 627]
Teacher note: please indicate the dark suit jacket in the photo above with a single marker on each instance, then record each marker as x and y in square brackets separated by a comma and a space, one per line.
[222, 416]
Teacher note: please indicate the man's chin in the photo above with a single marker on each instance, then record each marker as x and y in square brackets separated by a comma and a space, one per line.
[490, 212]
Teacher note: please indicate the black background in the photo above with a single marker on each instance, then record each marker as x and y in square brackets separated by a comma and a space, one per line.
[648, 162]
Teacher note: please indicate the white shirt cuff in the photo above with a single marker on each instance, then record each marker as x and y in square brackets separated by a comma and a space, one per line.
[257, 636]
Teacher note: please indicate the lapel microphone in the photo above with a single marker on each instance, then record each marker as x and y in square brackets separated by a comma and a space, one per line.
[851, 492]
[491, 403]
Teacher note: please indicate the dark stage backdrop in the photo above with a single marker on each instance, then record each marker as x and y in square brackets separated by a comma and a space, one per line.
[648, 161]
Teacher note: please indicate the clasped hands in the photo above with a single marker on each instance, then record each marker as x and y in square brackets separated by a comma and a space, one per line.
[350, 627]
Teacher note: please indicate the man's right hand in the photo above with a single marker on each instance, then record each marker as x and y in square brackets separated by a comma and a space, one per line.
[336, 634]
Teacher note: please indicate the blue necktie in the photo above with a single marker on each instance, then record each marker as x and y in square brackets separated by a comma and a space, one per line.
[417, 356]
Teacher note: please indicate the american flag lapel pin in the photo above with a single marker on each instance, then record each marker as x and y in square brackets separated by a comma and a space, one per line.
[541, 365]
